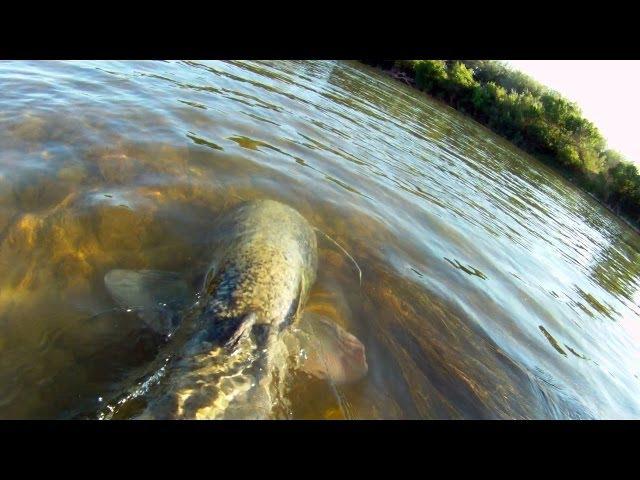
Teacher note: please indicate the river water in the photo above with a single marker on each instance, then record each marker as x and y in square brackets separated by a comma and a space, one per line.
[491, 288]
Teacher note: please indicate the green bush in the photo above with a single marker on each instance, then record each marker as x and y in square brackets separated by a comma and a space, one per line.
[430, 75]
[569, 157]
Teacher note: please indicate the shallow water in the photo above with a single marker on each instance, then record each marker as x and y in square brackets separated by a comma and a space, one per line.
[491, 288]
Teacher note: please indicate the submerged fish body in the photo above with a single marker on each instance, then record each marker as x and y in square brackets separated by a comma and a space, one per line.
[228, 359]
[268, 264]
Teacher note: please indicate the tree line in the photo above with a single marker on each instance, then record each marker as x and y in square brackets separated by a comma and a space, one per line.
[535, 118]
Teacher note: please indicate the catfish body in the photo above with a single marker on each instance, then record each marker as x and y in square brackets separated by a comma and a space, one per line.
[267, 265]
[226, 358]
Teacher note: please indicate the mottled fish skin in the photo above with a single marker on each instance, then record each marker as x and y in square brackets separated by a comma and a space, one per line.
[265, 267]
[269, 260]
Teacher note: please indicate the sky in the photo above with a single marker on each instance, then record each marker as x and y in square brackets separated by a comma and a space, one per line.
[607, 91]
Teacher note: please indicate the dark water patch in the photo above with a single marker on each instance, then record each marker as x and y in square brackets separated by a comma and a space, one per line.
[417, 272]
[201, 141]
[468, 269]
[575, 353]
[594, 303]
[345, 186]
[552, 341]
[194, 104]
[249, 143]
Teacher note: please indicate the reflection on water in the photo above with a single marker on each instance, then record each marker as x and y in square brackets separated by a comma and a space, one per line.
[490, 287]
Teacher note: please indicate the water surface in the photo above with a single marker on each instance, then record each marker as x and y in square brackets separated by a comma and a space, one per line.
[491, 288]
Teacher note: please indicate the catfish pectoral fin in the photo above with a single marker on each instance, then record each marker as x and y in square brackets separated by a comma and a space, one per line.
[156, 295]
[332, 353]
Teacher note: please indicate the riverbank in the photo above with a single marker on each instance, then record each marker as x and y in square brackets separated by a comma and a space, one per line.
[534, 118]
